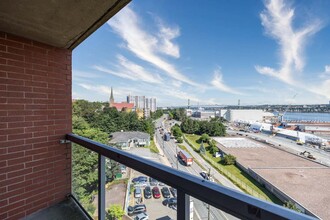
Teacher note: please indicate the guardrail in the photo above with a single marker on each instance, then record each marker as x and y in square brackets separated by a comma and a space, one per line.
[231, 201]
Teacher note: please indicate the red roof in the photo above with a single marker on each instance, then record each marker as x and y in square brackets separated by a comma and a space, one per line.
[120, 106]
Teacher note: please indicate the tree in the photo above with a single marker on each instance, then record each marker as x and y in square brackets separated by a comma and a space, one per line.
[179, 140]
[229, 159]
[213, 147]
[176, 131]
[157, 114]
[204, 138]
[202, 148]
[115, 212]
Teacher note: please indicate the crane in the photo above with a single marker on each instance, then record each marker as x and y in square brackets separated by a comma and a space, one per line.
[286, 109]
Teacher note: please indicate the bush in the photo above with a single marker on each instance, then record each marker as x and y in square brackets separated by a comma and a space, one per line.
[115, 212]
[205, 138]
[229, 159]
[179, 140]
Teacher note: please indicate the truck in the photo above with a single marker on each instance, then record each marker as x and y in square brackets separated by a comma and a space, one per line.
[185, 157]
[167, 136]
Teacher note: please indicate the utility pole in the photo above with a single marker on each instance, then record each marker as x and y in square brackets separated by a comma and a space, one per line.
[163, 147]
[177, 159]
[208, 208]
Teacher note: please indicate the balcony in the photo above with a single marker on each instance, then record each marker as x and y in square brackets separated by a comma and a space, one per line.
[231, 202]
[35, 116]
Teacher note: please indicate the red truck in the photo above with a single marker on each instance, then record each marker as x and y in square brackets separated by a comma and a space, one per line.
[185, 157]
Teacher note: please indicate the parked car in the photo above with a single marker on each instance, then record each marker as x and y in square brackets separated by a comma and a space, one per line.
[155, 192]
[170, 202]
[161, 184]
[147, 192]
[141, 216]
[173, 191]
[166, 192]
[137, 209]
[153, 182]
[141, 180]
[137, 192]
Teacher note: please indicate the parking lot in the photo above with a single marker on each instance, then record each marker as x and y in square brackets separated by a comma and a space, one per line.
[155, 207]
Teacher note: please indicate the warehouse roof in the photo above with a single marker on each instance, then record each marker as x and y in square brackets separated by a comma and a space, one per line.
[128, 135]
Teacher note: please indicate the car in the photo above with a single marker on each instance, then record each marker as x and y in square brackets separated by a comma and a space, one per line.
[166, 192]
[161, 184]
[204, 174]
[137, 209]
[136, 180]
[147, 192]
[155, 192]
[173, 191]
[153, 182]
[170, 202]
[137, 192]
[141, 216]
[140, 180]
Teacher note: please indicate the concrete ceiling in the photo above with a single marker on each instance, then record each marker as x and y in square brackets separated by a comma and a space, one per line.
[60, 23]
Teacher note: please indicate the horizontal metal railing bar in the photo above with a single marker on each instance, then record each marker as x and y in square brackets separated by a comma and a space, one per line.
[231, 201]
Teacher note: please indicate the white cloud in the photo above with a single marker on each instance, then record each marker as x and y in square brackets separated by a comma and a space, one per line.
[148, 46]
[327, 69]
[218, 83]
[129, 70]
[277, 20]
[322, 89]
[166, 35]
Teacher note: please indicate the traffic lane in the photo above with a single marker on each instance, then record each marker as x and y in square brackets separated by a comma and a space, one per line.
[194, 169]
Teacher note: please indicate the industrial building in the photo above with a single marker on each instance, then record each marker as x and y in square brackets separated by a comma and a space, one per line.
[246, 115]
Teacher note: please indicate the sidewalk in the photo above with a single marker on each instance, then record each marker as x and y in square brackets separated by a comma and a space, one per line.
[161, 154]
[216, 175]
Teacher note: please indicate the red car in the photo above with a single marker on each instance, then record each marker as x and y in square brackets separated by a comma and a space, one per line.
[156, 192]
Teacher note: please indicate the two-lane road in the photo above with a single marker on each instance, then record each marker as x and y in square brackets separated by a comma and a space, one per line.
[170, 150]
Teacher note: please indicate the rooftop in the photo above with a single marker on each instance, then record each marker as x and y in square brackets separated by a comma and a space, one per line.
[290, 173]
[127, 135]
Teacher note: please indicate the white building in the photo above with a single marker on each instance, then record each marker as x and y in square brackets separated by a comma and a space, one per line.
[142, 103]
[246, 115]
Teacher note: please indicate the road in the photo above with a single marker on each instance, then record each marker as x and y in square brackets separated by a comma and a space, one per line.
[170, 151]
[288, 145]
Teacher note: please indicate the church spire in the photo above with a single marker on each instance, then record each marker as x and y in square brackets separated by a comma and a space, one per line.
[112, 100]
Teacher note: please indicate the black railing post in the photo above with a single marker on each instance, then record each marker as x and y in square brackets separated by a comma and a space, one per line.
[101, 187]
[183, 211]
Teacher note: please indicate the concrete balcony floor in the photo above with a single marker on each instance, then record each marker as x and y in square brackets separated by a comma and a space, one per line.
[67, 209]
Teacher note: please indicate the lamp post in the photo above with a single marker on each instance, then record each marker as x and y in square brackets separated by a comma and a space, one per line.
[208, 208]
[177, 159]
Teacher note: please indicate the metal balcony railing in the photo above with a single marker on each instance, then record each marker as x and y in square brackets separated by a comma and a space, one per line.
[231, 201]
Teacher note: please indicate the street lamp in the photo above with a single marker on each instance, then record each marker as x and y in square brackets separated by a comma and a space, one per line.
[177, 159]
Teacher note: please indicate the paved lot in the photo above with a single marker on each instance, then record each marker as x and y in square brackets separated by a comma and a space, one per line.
[155, 208]
[302, 179]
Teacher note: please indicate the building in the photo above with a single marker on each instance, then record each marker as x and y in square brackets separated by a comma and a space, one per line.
[126, 140]
[245, 115]
[141, 103]
[203, 115]
[120, 106]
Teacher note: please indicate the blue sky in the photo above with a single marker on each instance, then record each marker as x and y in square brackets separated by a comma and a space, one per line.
[211, 52]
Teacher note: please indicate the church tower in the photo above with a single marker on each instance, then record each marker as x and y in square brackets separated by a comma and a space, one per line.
[112, 100]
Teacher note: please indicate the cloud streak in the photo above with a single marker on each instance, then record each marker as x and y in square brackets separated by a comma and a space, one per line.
[277, 20]
[129, 70]
[218, 83]
[147, 46]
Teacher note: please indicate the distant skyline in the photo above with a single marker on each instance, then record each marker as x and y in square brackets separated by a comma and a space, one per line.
[261, 52]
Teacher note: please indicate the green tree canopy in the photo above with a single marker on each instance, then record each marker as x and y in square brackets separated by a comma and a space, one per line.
[115, 212]
[229, 159]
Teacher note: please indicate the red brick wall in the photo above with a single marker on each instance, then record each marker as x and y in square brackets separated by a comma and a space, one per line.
[35, 113]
